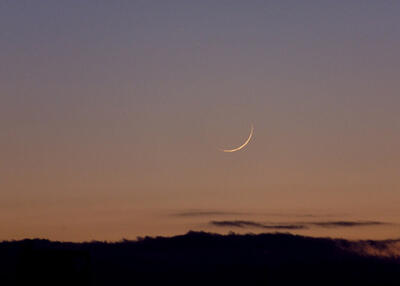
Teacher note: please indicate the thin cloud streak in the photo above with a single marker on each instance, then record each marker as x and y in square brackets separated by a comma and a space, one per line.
[346, 223]
[297, 225]
[206, 213]
[244, 224]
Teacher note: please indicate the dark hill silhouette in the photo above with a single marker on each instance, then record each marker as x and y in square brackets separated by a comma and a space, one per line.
[198, 258]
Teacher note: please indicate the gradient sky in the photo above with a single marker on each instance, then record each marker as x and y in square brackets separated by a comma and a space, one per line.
[112, 113]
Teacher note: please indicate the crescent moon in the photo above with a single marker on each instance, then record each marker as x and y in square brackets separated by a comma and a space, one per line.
[243, 145]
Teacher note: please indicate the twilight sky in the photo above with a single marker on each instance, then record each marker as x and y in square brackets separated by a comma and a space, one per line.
[112, 114]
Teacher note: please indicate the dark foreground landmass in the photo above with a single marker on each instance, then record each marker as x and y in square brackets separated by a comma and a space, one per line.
[199, 258]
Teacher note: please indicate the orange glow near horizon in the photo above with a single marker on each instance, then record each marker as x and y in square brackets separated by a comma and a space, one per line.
[111, 117]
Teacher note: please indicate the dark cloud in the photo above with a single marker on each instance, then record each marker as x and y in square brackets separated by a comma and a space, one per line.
[244, 224]
[286, 226]
[236, 223]
[345, 223]
[296, 225]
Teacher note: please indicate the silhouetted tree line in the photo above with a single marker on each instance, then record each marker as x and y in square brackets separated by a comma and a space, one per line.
[196, 258]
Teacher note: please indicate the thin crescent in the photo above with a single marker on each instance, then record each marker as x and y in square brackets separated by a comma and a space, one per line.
[243, 145]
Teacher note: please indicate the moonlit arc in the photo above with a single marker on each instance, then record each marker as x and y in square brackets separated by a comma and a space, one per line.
[243, 145]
